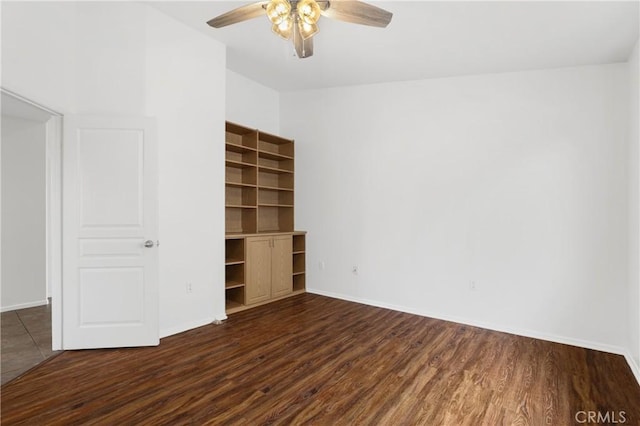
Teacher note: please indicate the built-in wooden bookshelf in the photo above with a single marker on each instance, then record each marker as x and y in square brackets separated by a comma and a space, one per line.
[259, 202]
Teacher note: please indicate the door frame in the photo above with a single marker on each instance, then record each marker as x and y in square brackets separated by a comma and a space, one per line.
[53, 209]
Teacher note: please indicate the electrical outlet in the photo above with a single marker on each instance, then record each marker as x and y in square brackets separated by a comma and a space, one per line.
[472, 285]
[189, 288]
[355, 270]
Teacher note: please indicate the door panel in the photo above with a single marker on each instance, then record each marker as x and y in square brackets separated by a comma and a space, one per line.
[258, 262]
[110, 280]
[282, 266]
[111, 164]
[104, 286]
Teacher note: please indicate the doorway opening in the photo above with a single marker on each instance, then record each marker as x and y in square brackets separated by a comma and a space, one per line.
[30, 255]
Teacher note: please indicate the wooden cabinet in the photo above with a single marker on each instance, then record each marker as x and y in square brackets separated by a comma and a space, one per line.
[269, 268]
[265, 257]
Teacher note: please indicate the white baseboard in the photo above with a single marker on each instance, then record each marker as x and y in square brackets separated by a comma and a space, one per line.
[598, 346]
[635, 368]
[190, 326]
[24, 305]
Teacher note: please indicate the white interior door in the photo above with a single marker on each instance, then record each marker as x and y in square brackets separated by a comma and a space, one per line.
[109, 211]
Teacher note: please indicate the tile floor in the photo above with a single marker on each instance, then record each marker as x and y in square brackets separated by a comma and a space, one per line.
[26, 340]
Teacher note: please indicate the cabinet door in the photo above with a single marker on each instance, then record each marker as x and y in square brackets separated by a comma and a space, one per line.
[258, 270]
[281, 266]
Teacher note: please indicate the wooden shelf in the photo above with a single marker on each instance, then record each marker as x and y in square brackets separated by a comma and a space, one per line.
[276, 205]
[274, 156]
[233, 284]
[273, 170]
[239, 148]
[232, 306]
[241, 185]
[275, 188]
[238, 164]
[231, 206]
[259, 218]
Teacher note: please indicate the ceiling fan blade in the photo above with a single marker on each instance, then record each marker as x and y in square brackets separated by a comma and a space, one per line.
[242, 13]
[304, 48]
[357, 12]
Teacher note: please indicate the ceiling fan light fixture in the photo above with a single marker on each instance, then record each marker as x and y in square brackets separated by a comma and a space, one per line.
[278, 11]
[284, 28]
[308, 11]
[307, 30]
[298, 19]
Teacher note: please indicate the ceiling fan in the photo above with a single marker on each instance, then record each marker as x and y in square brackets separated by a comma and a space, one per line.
[297, 19]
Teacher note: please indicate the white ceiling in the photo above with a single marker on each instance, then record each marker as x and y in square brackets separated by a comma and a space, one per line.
[425, 40]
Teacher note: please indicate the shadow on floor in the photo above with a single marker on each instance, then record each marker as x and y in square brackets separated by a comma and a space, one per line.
[26, 340]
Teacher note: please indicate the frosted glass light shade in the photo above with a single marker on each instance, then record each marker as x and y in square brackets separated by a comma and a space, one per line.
[278, 11]
[308, 11]
[307, 30]
[284, 28]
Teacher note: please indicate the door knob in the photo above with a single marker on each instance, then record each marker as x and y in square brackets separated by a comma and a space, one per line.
[148, 244]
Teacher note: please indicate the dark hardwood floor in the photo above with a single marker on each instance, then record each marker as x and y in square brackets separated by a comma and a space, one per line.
[315, 360]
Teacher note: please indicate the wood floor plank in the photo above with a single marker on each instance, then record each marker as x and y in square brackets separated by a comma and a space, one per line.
[315, 360]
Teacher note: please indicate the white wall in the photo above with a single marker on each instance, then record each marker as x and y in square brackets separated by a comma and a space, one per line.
[186, 92]
[23, 280]
[634, 208]
[130, 59]
[515, 181]
[251, 104]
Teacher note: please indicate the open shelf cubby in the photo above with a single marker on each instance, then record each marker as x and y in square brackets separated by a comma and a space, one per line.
[241, 155]
[240, 137]
[241, 220]
[298, 263]
[241, 174]
[241, 196]
[275, 197]
[275, 180]
[298, 243]
[234, 298]
[299, 283]
[234, 250]
[234, 276]
[278, 146]
[275, 219]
